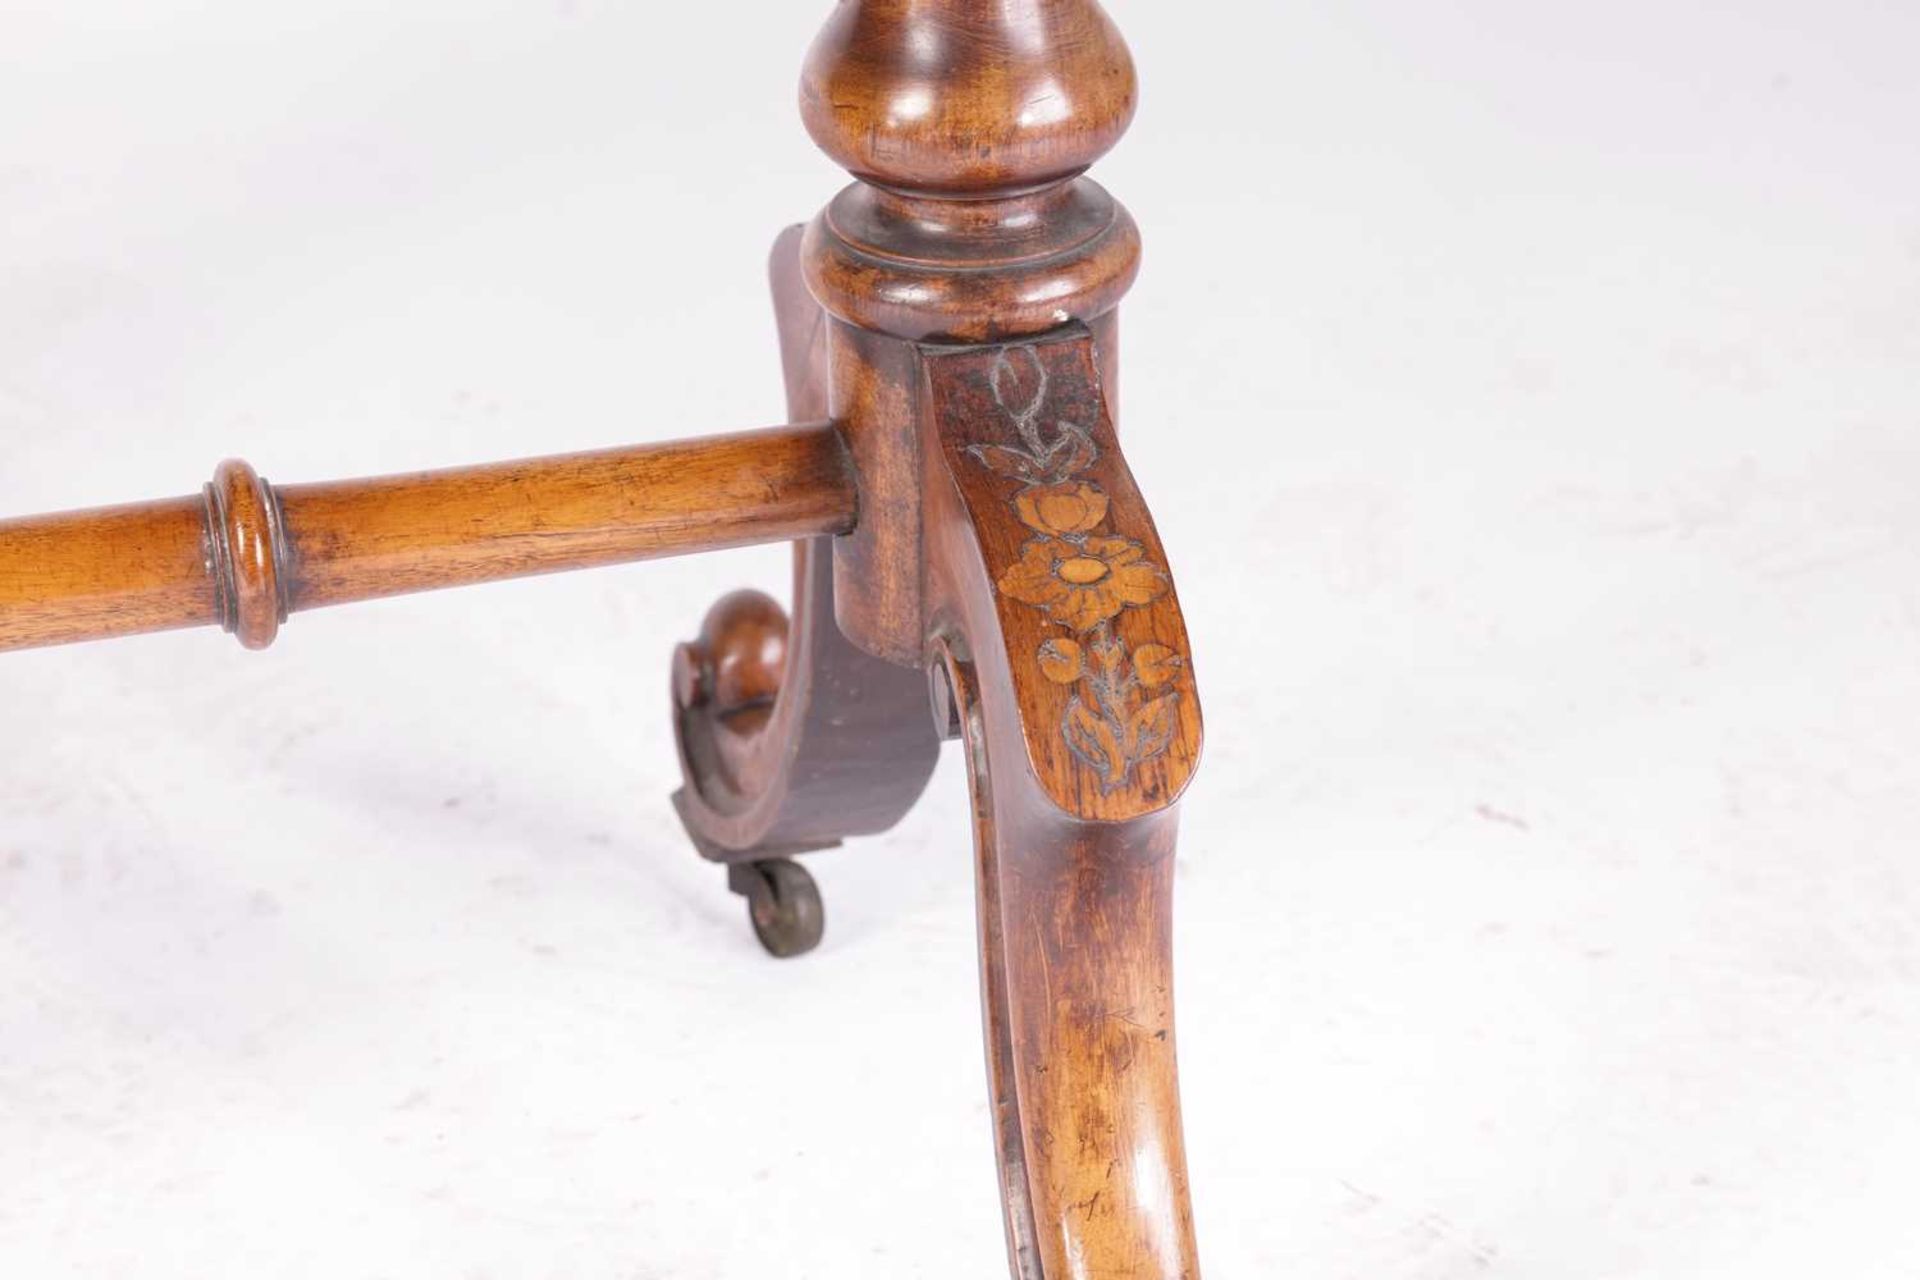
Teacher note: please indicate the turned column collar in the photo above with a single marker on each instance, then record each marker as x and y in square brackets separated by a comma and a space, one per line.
[247, 553]
[968, 124]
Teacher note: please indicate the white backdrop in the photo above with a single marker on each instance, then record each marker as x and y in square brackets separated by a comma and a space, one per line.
[1528, 396]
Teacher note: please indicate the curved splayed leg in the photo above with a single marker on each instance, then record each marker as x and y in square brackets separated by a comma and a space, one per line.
[1059, 656]
[790, 738]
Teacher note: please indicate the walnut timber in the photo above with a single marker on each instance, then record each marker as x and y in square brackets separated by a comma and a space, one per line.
[973, 559]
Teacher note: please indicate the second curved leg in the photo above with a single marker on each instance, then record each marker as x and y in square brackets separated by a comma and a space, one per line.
[790, 737]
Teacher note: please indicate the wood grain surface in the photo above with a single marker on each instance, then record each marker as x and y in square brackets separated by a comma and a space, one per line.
[245, 554]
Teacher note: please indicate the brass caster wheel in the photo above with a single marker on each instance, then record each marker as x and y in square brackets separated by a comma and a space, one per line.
[783, 902]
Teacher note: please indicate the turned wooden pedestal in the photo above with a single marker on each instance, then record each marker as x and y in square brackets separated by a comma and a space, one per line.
[973, 560]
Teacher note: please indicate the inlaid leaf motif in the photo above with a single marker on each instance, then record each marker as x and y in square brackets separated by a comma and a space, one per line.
[1150, 730]
[1015, 464]
[1092, 739]
[1070, 454]
[1109, 657]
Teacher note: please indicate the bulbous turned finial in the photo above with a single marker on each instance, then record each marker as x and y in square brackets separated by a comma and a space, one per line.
[968, 123]
[961, 97]
[739, 660]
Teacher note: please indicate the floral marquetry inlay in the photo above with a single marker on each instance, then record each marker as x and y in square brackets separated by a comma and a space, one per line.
[1083, 574]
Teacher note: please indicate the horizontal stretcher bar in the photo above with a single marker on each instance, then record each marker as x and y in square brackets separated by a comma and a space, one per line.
[244, 554]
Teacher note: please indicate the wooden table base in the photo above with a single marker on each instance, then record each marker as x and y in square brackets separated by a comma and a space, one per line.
[973, 560]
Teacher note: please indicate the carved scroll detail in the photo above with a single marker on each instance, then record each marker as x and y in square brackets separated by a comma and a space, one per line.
[1124, 708]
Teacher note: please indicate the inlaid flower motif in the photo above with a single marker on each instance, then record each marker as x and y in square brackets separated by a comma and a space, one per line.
[1117, 719]
[1061, 509]
[1060, 660]
[1083, 583]
[1156, 665]
[1122, 702]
